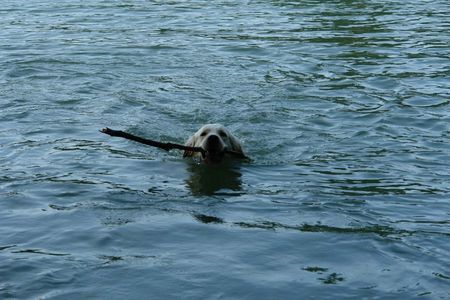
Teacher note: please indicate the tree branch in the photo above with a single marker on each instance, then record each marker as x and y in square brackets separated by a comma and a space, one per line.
[165, 146]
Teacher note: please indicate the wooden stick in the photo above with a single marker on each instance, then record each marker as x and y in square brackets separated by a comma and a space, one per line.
[165, 146]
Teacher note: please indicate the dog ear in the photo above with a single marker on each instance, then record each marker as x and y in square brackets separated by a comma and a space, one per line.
[190, 143]
[236, 144]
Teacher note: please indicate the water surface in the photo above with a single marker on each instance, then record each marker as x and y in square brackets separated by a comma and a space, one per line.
[342, 105]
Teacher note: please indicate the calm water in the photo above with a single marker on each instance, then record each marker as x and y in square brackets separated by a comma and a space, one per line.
[344, 107]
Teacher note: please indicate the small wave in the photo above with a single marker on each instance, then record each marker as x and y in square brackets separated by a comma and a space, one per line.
[38, 251]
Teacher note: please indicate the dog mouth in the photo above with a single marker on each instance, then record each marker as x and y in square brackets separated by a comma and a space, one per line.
[214, 155]
[214, 149]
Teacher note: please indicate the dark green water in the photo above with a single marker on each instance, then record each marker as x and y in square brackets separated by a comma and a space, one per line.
[344, 107]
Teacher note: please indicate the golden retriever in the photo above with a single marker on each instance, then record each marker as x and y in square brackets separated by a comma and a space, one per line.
[216, 140]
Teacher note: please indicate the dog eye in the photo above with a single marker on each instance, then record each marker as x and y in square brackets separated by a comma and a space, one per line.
[222, 134]
[203, 133]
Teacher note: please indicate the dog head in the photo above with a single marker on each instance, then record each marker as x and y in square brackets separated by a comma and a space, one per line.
[215, 139]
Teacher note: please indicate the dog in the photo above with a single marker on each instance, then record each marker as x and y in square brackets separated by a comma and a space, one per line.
[216, 140]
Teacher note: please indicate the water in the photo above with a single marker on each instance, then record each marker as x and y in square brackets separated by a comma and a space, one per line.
[343, 107]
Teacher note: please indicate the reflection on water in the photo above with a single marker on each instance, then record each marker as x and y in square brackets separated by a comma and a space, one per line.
[207, 179]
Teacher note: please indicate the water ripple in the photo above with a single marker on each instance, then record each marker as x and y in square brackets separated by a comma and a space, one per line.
[343, 107]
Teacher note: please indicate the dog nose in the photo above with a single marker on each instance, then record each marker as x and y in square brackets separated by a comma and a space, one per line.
[213, 142]
[214, 139]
